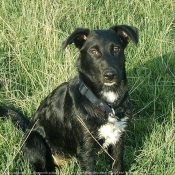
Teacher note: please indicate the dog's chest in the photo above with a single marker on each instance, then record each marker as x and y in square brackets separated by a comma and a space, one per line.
[112, 131]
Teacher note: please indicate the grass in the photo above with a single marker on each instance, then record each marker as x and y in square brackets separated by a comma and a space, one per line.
[33, 64]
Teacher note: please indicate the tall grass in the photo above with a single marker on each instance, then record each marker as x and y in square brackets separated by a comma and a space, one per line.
[32, 64]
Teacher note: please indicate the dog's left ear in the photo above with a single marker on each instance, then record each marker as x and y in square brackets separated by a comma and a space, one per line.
[126, 33]
[78, 37]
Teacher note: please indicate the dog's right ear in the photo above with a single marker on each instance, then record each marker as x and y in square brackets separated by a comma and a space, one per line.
[78, 37]
[127, 33]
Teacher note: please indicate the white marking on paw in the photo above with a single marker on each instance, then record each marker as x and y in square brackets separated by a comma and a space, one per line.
[110, 96]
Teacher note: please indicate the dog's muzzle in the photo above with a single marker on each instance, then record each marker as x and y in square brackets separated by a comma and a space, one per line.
[110, 77]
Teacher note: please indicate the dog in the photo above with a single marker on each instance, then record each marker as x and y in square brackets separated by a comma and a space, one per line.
[89, 112]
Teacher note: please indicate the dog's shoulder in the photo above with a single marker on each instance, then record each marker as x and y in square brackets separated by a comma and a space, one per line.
[60, 92]
[56, 102]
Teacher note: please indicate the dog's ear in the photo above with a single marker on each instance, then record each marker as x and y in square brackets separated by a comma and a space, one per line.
[126, 33]
[78, 37]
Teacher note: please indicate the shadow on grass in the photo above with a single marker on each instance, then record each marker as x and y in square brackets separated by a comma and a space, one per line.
[151, 100]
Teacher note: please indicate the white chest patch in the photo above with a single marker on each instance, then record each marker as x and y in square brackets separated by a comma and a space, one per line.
[112, 131]
[110, 96]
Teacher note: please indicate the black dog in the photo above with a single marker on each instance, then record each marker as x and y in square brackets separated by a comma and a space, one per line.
[90, 110]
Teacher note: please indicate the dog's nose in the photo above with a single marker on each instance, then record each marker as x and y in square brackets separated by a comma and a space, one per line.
[109, 75]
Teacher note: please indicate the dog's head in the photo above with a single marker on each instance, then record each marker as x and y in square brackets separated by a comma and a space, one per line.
[102, 59]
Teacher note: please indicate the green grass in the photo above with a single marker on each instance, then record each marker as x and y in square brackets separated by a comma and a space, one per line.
[33, 64]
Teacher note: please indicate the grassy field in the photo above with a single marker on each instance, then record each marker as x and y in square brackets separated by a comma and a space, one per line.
[32, 64]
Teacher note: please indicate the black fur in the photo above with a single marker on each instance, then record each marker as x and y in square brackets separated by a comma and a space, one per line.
[56, 128]
[20, 121]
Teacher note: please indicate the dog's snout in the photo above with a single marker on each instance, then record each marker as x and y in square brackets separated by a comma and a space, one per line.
[109, 75]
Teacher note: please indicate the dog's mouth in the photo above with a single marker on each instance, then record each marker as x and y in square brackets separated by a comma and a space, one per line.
[110, 83]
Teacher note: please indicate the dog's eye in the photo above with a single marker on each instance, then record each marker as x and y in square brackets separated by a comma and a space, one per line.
[116, 49]
[95, 52]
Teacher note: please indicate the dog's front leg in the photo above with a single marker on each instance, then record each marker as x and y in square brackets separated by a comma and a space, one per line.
[117, 151]
[87, 158]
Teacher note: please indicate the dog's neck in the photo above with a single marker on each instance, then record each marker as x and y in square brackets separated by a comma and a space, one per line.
[114, 94]
[109, 94]
[103, 107]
